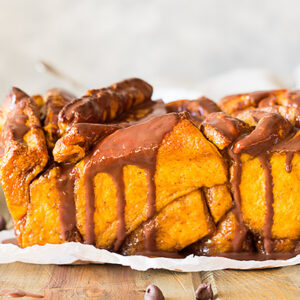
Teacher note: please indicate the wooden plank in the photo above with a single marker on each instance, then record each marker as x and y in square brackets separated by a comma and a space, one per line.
[115, 282]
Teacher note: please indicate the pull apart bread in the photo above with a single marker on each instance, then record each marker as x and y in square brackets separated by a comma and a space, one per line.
[122, 172]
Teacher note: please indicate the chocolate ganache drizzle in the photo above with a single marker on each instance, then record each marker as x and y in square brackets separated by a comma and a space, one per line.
[93, 134]
[135, 145]
[270, 130]
[67, 211]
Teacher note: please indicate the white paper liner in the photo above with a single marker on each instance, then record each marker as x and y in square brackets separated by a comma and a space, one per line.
[70, 253]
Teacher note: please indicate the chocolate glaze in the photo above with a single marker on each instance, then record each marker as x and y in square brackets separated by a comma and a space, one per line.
[153, 293]
[288, 162]
[269, 199]
[15, 126]
[204, 292]
[79, 139]
[56, 99]
[198, 108]
[111, 155]
[271, 128]
[97, 105]
[2, 223]
[229, 127]
[290, 146]
[15, 96]
[15, 293]
[65, 182]
[235, 181]
[67, 210]
[244, 100]
[260, 256]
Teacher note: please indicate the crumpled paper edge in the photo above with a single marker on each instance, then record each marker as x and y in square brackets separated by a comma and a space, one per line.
[72, 253]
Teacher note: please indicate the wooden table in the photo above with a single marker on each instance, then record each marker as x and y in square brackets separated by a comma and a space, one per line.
[115, 282]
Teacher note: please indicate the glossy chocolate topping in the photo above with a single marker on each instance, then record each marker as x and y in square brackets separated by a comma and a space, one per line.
[79, 139]
[153, 293]
[56, 99]
[135, 145]
[270, 129]
[15, 96]
[204, 292]
[105, 105]
[235, 181]
[67, 210]
[2, 223]
[15, 126]
[198, 108]
[222, 129]
[239, 102]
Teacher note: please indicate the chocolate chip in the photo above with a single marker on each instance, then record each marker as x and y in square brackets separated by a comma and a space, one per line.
[204, 292]
[153, 293]
[2, 223]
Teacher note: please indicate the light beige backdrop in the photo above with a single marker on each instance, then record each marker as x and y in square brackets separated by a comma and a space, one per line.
[169, 43]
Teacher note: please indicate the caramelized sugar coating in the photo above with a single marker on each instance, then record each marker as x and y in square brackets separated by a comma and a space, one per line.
[24, 153]
[56, 99]
[222, 130]
[239, 102]
[270, 129]
[219, 201]
[39, 100]
[106, 104]
[283, 102]
[198, 108]
[221, 241]
[73, 145]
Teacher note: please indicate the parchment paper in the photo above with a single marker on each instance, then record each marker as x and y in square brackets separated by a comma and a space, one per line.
[73, 253]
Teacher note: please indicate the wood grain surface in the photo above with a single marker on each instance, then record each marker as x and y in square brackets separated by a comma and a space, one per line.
[116, 282]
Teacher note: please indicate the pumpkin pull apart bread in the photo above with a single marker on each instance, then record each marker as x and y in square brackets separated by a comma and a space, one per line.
[120, 171]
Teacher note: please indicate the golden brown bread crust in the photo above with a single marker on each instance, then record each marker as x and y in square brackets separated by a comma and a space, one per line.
[150, 182]
[75, 143]
[175, 231]
[223, 130]
[24, 154]
[55, 99]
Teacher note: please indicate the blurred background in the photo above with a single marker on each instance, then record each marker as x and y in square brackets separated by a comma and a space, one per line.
[186, 45]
